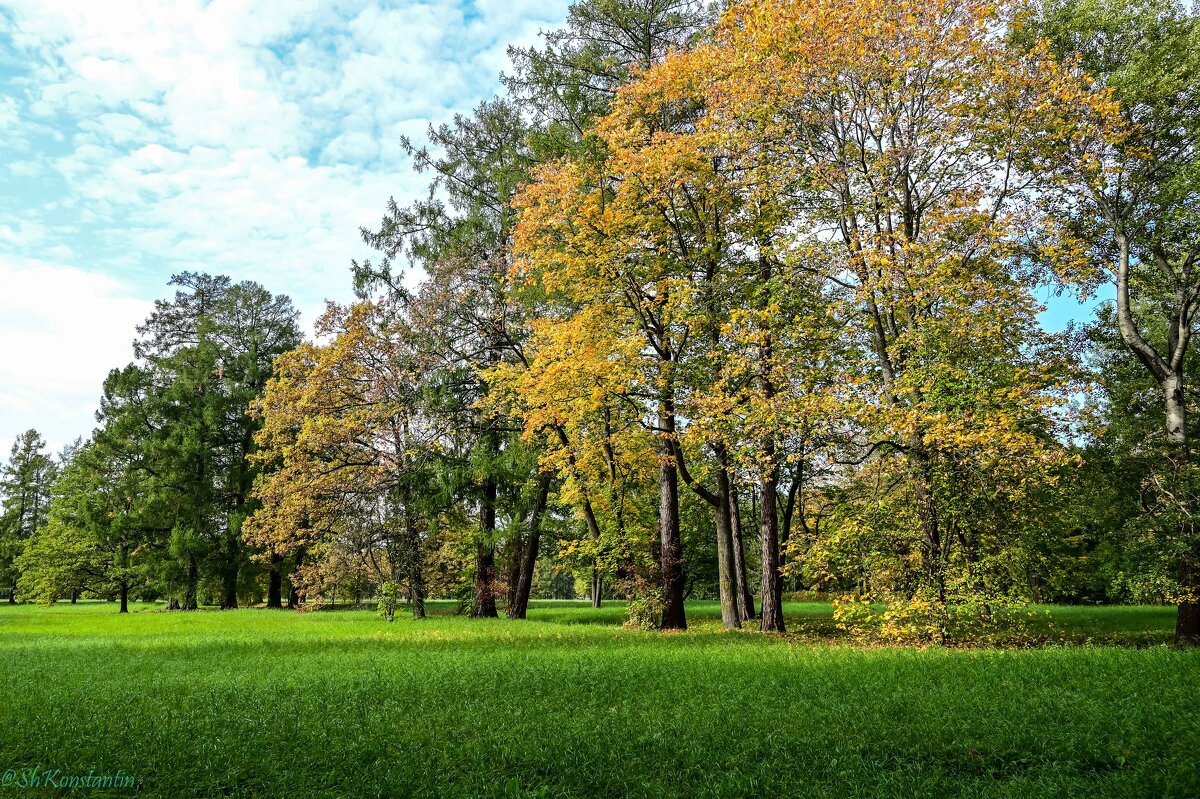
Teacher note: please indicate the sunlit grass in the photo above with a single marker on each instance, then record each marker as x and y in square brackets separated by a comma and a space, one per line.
[279, 704]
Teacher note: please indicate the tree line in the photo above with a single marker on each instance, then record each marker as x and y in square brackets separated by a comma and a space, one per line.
[725, 303]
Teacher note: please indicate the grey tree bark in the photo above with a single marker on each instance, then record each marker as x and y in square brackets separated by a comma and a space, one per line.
[1168, 372]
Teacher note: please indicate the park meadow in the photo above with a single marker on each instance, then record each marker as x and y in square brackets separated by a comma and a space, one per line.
[782, 398]
[571, 703]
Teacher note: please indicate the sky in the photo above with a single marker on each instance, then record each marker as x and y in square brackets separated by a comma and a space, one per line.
[253, 139]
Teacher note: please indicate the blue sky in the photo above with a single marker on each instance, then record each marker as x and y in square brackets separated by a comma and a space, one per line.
[1062, 310]
[245, 138]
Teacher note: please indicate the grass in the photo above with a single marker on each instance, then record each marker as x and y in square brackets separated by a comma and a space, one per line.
[258, 703]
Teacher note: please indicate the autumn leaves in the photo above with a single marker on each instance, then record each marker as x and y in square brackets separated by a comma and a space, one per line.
[803, 247]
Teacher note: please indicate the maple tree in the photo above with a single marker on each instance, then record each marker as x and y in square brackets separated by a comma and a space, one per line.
[345, 425]
[603, 243]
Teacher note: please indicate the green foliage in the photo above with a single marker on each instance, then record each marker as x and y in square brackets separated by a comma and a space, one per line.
[570, 80]
[389, 598]
[683, 312]
[25, 482]
[157, 495]
[1123, 532]
[203, 356]
[644, 606]
[1138, 215]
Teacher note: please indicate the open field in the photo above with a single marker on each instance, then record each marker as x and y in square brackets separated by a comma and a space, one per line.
[255, 703]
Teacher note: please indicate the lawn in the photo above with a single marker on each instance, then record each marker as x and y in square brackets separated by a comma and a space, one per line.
[257, 703]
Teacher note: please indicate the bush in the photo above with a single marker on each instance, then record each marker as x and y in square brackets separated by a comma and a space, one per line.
[810, 596]
[389, 598]
[645, 603]
[926, 618]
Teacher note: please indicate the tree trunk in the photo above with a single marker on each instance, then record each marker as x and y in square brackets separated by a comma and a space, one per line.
[597, 587]
[789, 515]
[124, 580]
[294, 598]
[722, 521]
[74, 595]
[931, 532]
[772, 599]
[1176, 412]
[519, 607]
[229, 577]
[731, 614]
[275, 583]
[515, 555]
[772, 579]
[418, 597]
[415, 564]
[484, 605]
[1168, 372]
[1187, 612]
[745, 596]
[674, 616]
[189, 588]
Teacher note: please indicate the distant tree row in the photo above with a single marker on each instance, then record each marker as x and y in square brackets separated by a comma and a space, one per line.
[713, 305]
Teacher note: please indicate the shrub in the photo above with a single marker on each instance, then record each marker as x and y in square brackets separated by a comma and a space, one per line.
[389, 598]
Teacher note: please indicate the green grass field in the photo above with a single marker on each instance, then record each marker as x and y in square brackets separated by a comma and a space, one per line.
[257, 703]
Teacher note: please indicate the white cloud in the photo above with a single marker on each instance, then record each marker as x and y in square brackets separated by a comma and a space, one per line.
[231, 136]
[61, 330]
[23, 234]
[9, 113]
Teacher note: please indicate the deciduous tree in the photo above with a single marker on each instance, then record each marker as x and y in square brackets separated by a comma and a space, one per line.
[1131, 193]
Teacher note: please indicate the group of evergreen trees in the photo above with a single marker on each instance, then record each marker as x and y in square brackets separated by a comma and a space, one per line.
[155, 498]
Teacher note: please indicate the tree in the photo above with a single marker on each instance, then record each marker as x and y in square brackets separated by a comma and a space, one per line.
[914, 184]
[463, 310]
[206, 354]
[574, 409]
[96, 530]
[592, 233]
[1133, 199]
[251, 328]
[25, 492]
[355, 449]
[570, 82]
[1117, 513]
